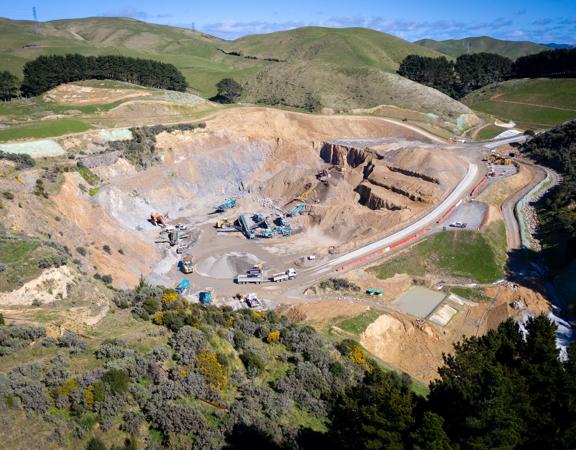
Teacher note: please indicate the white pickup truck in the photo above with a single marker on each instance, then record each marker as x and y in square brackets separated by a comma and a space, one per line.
[289, 274]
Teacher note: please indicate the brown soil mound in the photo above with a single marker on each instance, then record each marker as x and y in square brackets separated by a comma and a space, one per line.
[72, 94]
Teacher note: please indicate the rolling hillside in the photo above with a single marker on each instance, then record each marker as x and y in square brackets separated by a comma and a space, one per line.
[532, 103]
[457, 47]
[342, 69]
[350, 47]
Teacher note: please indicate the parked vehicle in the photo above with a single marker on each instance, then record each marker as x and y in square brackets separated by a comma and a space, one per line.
[458, 225]
[289, 274]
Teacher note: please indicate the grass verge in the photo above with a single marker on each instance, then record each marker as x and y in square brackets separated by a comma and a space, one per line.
[43, 129]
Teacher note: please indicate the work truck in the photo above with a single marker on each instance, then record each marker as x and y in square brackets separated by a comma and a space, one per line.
[289, 274]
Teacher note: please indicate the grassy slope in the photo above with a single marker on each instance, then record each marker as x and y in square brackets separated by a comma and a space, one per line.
[457, 47]
[478, 256]
[344, 68]
[194, 53]
[532, 103]
[348, 47]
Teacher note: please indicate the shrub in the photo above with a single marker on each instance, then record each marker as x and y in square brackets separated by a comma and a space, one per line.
[95, 444]
[15, 337]
[253, 362]
[81, 250]
[107, 249]
[72, 341]
[23, 161]
[8, 195]
[213, 372]
[107, 279]
[187, 342]
[273, 337]
[117, 379]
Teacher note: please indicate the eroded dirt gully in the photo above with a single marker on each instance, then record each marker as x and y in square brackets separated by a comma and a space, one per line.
[385, 174]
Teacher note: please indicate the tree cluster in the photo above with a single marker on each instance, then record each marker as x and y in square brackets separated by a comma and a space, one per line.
[222, 382]
[474, 71]
[456, 79]
[560, 63]
[47, 72]
[9, 86]
[556, 149]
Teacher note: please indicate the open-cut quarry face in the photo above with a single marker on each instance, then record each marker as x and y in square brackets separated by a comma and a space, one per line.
[359, 178]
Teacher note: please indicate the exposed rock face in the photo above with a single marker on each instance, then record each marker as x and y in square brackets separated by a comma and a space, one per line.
[384, 185]
[343, 156]
[375, 197]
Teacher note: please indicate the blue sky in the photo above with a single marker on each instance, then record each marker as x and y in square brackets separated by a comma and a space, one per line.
[534, 20]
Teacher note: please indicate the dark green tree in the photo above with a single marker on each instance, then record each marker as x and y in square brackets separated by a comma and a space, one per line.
[377, 413]
[430, 435]
[437, 73]
[9, 86]
[480, 69]
[504, 390]
[229, 91]
[559, 63]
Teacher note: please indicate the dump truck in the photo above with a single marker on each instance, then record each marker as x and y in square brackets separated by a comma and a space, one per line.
[229, 203]
[289, 274]
[254, 275]
[157, 219]
[186, 264]
[206, 296]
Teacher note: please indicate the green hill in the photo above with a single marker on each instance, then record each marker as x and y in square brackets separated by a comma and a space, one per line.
[532, 103]
[457, 47]
[341, 69]
[351, 47]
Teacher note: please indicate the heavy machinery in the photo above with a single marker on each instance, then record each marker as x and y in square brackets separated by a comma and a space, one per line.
[182, 287]
[283, 231]
[245, 228]
[289, 274]
[252, 300]
[173, 237]
[224, 223]
[186, 264]
[157, 219]
[206, 296]
[497, 159]
[266, 233]
[228, 204]
[297, 210]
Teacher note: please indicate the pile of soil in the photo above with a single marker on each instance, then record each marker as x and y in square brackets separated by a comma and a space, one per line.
[226, 266]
